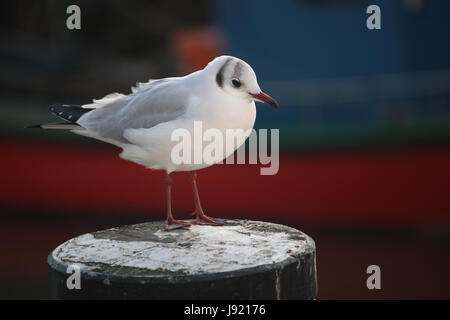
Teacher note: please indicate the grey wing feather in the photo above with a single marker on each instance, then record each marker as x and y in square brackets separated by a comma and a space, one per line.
[156, 102]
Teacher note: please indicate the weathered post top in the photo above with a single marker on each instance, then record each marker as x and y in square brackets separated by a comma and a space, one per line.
[243, 259]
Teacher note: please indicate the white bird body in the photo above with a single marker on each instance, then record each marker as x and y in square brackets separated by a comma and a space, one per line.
[195, 97]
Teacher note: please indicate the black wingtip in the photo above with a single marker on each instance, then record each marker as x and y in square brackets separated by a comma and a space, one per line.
[68, 112]
[35, 126]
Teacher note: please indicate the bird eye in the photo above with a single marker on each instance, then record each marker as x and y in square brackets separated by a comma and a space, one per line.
[236, 83]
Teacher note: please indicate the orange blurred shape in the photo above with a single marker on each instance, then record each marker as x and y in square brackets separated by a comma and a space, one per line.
[195, 47]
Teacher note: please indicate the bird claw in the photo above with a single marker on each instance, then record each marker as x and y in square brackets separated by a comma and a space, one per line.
[172, 224]
[204, 220]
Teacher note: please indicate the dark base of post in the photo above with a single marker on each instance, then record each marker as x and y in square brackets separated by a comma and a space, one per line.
[291, 278]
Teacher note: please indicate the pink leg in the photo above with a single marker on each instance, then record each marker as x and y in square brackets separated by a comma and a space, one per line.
[200, 216]
[171, 223]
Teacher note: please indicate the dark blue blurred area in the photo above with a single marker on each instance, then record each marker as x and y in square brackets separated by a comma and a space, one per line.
[311, 40]
[330, 72]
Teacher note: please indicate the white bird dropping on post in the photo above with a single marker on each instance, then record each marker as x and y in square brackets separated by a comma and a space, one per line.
[222, 96]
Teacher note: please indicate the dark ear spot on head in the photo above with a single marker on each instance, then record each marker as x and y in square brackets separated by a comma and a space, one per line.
[219, 78]
[237, 72]
[219, 75]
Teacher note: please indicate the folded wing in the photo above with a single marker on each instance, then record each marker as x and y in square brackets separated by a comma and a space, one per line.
[150, 104]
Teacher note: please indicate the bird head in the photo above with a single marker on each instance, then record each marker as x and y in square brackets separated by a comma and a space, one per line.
[237, 78]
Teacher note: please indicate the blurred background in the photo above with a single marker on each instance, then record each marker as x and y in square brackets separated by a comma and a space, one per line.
[364, 131]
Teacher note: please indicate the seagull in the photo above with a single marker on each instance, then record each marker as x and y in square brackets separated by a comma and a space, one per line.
[221, 96]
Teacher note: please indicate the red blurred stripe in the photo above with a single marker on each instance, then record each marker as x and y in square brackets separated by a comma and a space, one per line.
[375, 186]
